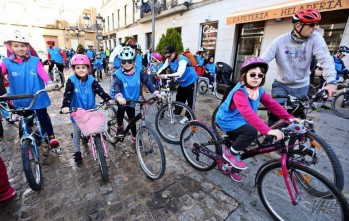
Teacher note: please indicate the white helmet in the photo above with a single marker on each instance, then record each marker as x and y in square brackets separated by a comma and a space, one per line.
[127, 53]
[17, 36]
[138, 46]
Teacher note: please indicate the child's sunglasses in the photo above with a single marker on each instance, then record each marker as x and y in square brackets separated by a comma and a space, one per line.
[126, 61]
[260, 75]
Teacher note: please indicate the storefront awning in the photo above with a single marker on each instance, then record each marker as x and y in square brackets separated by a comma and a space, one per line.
[285, 10]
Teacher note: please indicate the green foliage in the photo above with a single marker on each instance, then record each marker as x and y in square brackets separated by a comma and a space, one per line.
[128, 38]
[80, 49]
[172, 37]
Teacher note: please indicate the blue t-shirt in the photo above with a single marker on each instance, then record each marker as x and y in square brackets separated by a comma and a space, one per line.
[55, 55]
[189, 76]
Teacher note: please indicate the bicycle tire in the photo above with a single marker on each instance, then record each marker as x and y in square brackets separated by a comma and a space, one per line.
[60, 81]
[98, 77]
[31, 167]
[216, 93]
[340, 104]
[112, 124]
[171, 131]
[270, 183]
[202, 87]
[216, 130]
[101, 158]
[1, 128]
[198, 133]
[150, 152]
[333, 170]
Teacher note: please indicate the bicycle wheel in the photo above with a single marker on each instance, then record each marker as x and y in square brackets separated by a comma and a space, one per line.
[318, 154]
[202, 86]
[112, 124]
[98, 75]
[59, 78]
[340, 104]
[167, 121]
[31, 164]
[197, 135]
[218, 93]
[101, 158]
[216, 130]
[150, 153]
[276, 199]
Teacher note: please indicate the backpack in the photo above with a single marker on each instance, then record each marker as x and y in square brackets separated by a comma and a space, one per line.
[191, 58]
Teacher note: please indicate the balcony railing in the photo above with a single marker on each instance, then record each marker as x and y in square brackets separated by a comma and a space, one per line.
[161, 5]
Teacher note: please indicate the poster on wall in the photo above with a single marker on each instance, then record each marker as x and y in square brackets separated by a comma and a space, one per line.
[209, 37]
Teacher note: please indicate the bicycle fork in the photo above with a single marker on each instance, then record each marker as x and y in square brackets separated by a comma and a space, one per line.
[287, 183]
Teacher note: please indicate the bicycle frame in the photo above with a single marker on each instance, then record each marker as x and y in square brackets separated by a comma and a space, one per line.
[93, 146]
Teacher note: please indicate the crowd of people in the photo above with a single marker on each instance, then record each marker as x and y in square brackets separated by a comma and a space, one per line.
[294, 53]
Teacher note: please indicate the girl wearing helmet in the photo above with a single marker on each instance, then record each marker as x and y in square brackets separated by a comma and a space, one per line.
[237, 115]
[26, 75]
[127, 85]
[80, 92]
[200, 58]
[342, 71]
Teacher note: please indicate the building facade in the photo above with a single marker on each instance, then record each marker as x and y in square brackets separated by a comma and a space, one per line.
[232, 30]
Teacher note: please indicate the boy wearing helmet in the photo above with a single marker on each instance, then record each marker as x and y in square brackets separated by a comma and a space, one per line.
[342, 71]
[26, 75]
[294, 52]
[127, 85]
[237, 115]
[80, 92]
[98, 64]
[55, 55]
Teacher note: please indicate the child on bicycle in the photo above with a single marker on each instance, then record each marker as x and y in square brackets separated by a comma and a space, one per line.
[80, 92]
[27, 75]
[237, 115]
[127, 85]
[210, 69]
[98, 64]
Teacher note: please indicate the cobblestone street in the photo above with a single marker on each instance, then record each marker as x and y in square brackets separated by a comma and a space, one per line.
[72, 192]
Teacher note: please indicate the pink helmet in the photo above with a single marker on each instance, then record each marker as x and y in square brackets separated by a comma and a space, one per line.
[157, 56]
[80, 59]
[252, 63]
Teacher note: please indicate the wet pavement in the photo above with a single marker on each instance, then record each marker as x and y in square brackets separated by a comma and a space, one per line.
[72, 192]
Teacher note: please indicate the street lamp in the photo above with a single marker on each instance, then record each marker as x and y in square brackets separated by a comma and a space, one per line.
[98, 26]
[76, 32]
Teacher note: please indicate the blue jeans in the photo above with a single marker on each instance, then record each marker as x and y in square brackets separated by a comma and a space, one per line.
[281, 89]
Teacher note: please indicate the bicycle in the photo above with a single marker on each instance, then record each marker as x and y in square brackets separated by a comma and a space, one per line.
[31, 137]
[93, 124]
[340, 102]
[56, 76]
[149, 148]
[8, 116]
[98, 72]
[218, 89]
[288, 189]
[170, 113]
[308, 147]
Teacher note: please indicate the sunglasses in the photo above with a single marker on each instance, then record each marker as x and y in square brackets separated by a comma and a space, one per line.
[126, 61]
[311, 25]
[260, 75]
[167, 55]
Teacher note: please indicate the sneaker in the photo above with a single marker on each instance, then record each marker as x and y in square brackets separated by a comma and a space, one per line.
[325, 107]
[234, 160]
[54, 143]
[133, 139]
[120, 131]
[7, 195]
[77, 157]
[236, 177]
[184, 120]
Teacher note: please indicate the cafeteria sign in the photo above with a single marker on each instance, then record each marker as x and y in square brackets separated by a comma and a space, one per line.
[282, 12]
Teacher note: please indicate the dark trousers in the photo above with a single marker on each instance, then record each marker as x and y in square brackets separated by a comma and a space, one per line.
[131, 113]
[44, 118]
[243, 136]
[185, 95]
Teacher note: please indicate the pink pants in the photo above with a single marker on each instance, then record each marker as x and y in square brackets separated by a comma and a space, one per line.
[6, 191]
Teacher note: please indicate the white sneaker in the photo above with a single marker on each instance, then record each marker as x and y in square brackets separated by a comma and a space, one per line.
[184, 120]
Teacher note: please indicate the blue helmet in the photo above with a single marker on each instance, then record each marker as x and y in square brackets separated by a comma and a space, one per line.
[127, 53]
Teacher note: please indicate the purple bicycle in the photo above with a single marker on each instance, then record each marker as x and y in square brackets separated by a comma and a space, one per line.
[288, 188]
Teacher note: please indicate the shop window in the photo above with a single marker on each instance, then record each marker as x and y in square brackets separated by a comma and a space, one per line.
[148, 37]
[249, 44]
[334, 28]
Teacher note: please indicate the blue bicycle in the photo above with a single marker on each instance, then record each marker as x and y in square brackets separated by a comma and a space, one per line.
[31, 137]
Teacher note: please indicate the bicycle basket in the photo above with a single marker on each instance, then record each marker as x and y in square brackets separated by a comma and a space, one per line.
[90, 122]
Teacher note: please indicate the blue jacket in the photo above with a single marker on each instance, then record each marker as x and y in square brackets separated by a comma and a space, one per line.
[211, 68]
[83, 95]
[189, 76]
[229, 120]
[90, 54]
[98, 63]
[55, 55]
[24, 79]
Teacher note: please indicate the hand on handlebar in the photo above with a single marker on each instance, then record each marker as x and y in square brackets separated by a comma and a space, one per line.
[111, 102]
[65, 110]
[331, 89]
[276, 133]
[51, 86]
[121, 100]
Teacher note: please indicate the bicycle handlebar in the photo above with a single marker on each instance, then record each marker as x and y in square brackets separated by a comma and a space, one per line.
[71, 110]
